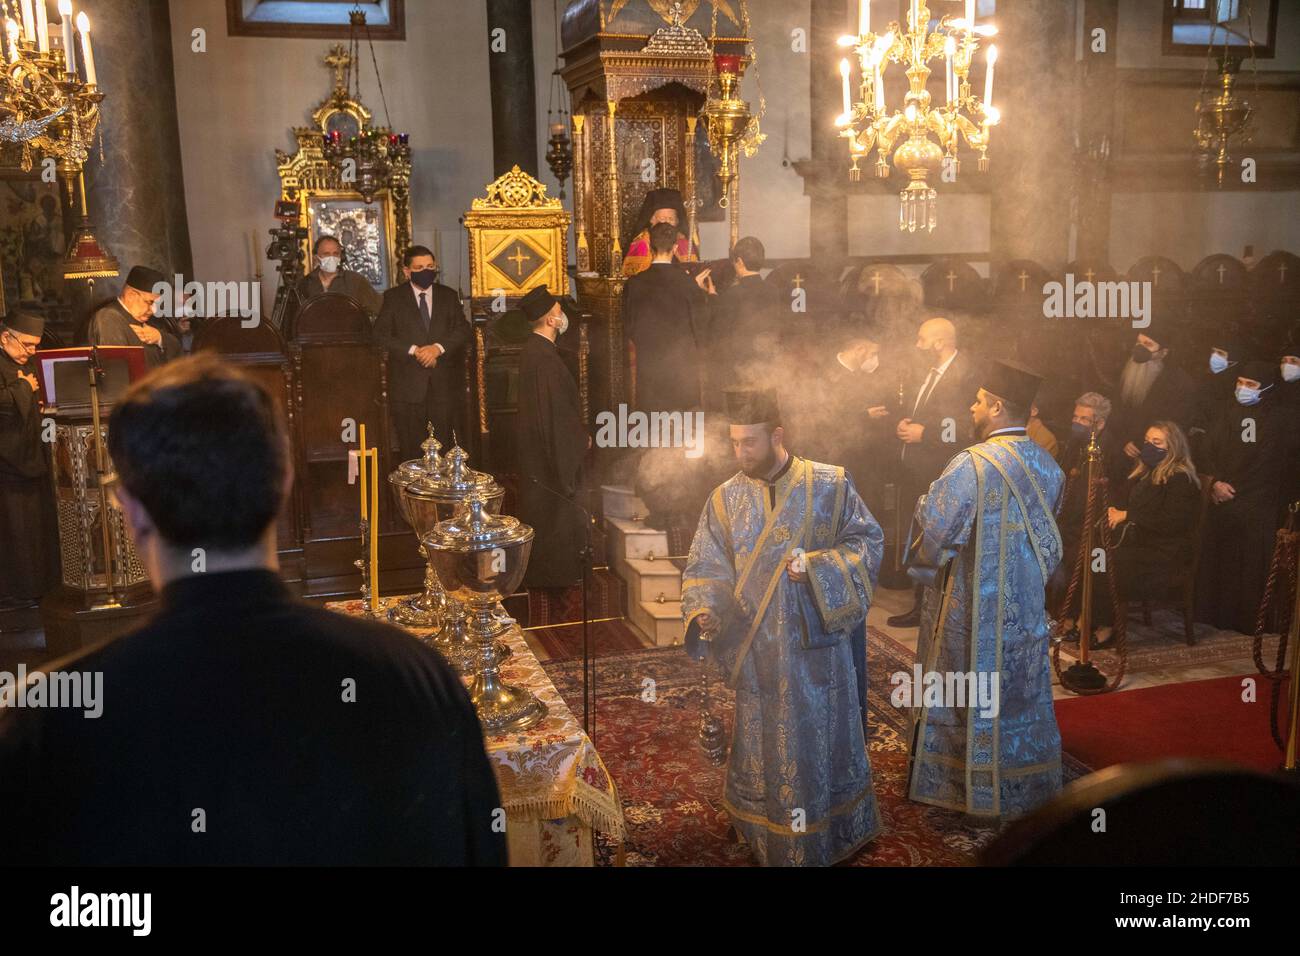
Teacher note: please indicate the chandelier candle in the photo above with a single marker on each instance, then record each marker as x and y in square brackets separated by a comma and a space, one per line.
[988, 77]
[949, 49]
[29, 22]
[848, 102]
[12, 31]
[65, 15]
[42, 27]
[83, 24]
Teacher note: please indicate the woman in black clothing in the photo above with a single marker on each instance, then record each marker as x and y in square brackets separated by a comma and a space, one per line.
[1155, 532]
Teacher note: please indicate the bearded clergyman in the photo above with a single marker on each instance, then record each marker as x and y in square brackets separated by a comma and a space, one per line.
[776, 592]
[985, 546]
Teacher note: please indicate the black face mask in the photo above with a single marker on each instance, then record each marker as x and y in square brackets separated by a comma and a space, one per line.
[424, 278]
[1141, 354]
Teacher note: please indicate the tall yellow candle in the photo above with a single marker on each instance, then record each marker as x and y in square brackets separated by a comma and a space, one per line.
[361, 466]
[374, 531]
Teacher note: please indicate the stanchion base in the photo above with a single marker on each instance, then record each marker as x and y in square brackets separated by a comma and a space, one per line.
[1082, 677]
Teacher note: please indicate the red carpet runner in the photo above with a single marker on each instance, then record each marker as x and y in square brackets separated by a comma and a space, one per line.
[1205, 718]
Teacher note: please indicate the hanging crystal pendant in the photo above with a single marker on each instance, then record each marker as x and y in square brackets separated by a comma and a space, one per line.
[934, 209]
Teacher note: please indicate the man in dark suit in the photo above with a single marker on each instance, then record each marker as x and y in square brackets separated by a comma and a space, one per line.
[423, 329]
[664, 317]
[551, 440]
[937, 425]
[239, 726]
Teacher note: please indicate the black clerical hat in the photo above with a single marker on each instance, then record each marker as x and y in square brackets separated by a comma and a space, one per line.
[657, 199]
[144, 279]
[1011, 382]
[537, 303]
[27, 323]
[1265, 373]
[1228, 339]
[752, 406]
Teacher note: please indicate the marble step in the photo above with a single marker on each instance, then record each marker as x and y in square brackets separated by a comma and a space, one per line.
[647, 580]
[660, 623]
[619, 501]
[631, 540]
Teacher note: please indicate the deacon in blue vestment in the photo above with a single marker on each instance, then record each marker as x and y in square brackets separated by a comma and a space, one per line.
[776, 592]
[986, 543]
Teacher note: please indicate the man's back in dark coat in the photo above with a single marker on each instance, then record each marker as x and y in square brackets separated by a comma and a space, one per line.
[663, 314]
[551, 440]
[241, 726]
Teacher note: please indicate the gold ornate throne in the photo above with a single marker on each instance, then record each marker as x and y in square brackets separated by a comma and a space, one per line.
[518, 241]
[638, 73]
[375, 232]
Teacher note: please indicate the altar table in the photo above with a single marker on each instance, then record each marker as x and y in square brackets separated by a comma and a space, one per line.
[554, 787]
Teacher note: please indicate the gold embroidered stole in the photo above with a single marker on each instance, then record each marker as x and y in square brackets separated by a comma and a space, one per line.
[773, 519]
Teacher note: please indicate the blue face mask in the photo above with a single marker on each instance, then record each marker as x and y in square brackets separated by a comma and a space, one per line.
[1080, 432]
[1151, 455]
[1217, 363]
[1250, 396]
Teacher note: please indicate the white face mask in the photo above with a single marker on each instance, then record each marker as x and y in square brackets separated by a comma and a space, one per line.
[329, 263]
[1290, 373]
[564, 325]
[871, 364]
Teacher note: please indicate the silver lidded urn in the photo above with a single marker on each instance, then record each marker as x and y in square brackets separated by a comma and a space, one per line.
[430, 490]
[480, 558]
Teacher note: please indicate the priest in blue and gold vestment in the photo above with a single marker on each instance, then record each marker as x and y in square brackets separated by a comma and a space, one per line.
[776, 592]
[986, 543]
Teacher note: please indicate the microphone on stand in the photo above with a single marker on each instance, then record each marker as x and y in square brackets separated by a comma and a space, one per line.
[585, 553]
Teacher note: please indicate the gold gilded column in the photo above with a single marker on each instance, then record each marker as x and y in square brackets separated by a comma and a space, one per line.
[690, 179]
[579, 193]
[616, 249]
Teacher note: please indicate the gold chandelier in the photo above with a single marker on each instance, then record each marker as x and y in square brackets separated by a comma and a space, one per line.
[732, 128]
[929, 134]
[1222, 114]
[52, 111]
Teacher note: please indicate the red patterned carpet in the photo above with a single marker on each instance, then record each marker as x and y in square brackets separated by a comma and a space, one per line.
[671, 792]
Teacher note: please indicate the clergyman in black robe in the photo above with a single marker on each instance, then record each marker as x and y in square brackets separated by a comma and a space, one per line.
[663, 313]
[29, 554]
[550, 441]
[1244, 450]
[129, 319]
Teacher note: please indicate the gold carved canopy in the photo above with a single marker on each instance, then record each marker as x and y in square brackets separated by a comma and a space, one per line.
[374, 235]
[518, 239]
